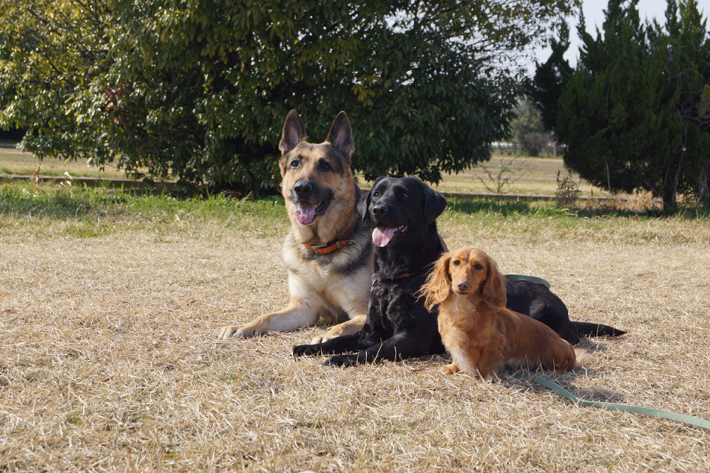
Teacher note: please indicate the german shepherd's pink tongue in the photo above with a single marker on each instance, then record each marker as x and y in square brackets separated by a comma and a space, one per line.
[305, 213]
[382, 235]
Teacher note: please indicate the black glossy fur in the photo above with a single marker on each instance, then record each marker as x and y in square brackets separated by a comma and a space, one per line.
[537, 301]
[398, 326]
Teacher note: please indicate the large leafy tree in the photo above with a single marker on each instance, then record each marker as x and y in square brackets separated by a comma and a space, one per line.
[630, 113]
[199, 89]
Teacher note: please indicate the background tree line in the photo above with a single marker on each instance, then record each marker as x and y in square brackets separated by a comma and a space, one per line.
[198, 89]
[635, 112]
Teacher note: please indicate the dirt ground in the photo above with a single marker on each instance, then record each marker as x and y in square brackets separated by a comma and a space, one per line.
[109, 359]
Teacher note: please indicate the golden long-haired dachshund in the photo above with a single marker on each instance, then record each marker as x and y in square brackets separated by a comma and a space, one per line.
[477, 329]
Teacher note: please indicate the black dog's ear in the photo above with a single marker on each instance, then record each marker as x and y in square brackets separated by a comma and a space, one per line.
[293, 133]
[434, 204]
[341, 135]
[363, 206]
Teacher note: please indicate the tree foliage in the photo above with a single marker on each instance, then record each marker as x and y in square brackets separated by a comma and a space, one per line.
[527, 129]
[631, 115]
[199, 89]
[545, 88]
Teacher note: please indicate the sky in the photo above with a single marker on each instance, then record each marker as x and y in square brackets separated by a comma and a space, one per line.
[594, 17]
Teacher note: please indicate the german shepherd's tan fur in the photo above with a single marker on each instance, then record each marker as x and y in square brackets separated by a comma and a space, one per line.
[321, 199]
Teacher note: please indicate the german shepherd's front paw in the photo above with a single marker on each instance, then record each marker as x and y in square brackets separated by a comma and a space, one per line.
[237, 332]
[227, 332]
[306, 350]
[345, 361]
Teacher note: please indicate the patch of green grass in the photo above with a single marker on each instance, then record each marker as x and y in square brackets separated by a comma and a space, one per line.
[74, 419]
[92, 212]
[95, 212]
[523, 207]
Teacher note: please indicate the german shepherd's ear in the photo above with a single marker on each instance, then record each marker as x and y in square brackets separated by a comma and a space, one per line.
[438, 285]
[293, 133]
[494, 286]
[363, 206]
[341, 135]
[434, 204]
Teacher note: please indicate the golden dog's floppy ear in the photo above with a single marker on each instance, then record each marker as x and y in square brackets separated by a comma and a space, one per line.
[293, 133]
[438, 285]
[494, 286]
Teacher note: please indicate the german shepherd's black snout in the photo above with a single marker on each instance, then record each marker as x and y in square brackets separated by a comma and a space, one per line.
[303, 190]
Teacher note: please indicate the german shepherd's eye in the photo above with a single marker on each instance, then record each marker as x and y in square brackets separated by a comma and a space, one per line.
[294, 164]
[478, 266]
[456, 262]
[324, 166]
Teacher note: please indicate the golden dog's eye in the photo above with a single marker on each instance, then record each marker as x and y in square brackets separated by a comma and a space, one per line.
[325, 166]
[456, 262]
[478, 266]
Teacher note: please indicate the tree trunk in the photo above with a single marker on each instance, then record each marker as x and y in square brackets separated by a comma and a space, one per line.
[669, 201]
[704, 184]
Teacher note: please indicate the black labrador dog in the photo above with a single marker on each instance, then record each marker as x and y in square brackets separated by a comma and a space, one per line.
[537, 301]
[403, 216]
[403, 213]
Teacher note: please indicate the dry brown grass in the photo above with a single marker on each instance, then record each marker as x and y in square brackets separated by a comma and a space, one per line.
[14, 161]
[109, 359]
[537, 175]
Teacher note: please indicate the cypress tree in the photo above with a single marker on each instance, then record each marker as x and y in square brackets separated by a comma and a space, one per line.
[630, 113]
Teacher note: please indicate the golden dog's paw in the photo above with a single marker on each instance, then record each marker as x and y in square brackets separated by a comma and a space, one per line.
[317, 340]
[447, 370]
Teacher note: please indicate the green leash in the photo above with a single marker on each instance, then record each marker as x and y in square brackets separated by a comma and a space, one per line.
[611, 406]
[600, 405]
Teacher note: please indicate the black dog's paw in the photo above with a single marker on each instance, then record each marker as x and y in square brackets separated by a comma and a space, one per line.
[305, 350]
[341, 360]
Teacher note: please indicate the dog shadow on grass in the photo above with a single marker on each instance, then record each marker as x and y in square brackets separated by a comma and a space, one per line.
[522, 385]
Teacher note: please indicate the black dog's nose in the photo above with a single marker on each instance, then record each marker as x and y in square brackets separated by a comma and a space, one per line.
[379, 210]
[462, 285]
[303, 188]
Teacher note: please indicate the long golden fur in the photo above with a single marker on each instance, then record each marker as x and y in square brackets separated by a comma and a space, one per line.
[321, 199]
[477, 329]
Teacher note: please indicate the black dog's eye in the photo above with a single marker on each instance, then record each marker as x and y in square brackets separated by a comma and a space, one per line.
[376, 193]
[404, 194]
[324, 166]
[456, 262]
[478, 266]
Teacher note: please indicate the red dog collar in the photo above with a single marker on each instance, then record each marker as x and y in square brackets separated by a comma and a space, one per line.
[336, 244]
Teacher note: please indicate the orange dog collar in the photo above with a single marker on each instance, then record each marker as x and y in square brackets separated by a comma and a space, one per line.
[336, 244]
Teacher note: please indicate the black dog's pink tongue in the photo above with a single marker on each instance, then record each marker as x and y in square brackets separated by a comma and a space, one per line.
[381, 236]
[305, 212]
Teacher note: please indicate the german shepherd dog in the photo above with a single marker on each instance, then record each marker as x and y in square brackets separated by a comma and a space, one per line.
[329, 251]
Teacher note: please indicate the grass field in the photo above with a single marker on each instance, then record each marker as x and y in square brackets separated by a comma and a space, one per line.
[14, 161]
[110, 306]
[524, 175]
